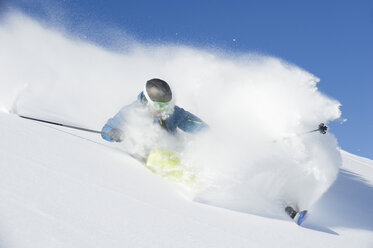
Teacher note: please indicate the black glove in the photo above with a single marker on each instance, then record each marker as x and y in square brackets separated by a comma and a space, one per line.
[322, 128]
[115, 134]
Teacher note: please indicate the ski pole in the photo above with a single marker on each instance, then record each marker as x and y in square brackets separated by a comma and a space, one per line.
[322, 129]
[62, 125]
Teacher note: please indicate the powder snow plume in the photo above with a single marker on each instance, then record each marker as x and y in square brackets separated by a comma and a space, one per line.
[251, 158]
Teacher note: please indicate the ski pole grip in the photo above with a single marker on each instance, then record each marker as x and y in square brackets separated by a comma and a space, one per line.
[322, 128]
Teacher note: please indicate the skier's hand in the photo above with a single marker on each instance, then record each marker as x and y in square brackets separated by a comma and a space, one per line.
[322, 128]
[116, 135]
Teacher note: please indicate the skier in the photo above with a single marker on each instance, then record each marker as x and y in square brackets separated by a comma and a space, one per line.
[157, 98]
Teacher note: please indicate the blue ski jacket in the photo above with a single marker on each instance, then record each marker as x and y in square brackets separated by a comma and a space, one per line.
[179, 118]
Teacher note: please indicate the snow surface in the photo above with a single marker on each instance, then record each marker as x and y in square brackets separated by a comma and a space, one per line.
[61, 188]
[67, 188]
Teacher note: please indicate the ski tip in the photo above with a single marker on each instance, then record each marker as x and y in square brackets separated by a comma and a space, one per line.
[302, 216]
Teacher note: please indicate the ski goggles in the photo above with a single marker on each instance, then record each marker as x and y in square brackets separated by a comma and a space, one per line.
[159, 106]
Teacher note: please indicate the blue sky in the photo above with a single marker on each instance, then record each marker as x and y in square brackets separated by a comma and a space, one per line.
[331, 39]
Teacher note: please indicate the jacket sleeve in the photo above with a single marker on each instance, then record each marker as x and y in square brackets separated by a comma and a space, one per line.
[189, 122]
[115, 122]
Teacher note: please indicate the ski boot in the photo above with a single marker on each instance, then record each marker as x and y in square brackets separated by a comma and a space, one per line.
[297, 216]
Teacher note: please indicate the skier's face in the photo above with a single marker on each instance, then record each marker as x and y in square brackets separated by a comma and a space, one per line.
[154, 112]
[160, 109]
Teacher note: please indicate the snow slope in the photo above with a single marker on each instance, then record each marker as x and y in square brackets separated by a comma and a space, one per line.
[64, 188]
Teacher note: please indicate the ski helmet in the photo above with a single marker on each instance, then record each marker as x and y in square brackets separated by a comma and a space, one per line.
[158, 94]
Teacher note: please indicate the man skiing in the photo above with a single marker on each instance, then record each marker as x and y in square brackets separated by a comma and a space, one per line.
[157, 99]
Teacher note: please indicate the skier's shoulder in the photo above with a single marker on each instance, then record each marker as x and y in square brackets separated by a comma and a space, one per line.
[185, 116]
[178, 109]
[179, 113]
[182, 113]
